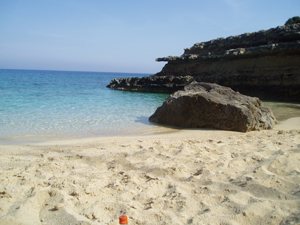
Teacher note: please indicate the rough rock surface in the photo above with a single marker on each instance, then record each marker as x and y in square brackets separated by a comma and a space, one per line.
[263, 64]
[202, 105]
[160, 84]
[281, 38]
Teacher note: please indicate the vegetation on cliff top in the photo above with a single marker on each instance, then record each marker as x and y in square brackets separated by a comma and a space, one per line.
[290, 21]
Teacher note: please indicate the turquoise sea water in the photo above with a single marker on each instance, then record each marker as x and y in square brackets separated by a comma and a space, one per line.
[38, 105]
[62, 104]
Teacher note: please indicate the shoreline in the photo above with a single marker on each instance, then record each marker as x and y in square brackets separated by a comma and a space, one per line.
[187, 177]
[20, 140]
[288, 124]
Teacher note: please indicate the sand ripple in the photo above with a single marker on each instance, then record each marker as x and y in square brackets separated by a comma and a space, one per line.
[197, 177]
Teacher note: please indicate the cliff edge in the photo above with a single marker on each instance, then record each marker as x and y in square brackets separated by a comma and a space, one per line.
[265, 64]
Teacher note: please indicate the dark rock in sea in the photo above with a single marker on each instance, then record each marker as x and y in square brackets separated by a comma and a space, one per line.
[206, 105]
[263, 64]
[159, 84]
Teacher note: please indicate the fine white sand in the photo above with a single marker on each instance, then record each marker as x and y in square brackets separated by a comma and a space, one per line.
[184, 177]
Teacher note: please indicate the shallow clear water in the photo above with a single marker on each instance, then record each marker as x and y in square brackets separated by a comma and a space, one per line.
[283, 110]
[64, 104]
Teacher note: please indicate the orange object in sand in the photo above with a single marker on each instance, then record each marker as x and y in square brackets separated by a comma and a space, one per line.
[123, 219]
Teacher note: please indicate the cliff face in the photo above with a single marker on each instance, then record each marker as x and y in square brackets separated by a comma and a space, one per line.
[247, 53]
[264, 64]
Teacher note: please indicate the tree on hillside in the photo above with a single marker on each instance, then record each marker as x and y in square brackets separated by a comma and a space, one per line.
[290, 21]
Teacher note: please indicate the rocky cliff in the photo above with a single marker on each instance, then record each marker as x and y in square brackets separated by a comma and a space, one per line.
[264, 64]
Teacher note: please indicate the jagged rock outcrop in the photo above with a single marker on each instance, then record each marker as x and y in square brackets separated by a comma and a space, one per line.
[159, 84]
[211, 105]
[282, 38]
[263, 64]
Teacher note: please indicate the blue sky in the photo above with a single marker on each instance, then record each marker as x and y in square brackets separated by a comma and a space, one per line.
[123, 35]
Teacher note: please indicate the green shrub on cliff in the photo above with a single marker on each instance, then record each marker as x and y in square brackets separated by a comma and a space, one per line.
[290, 21]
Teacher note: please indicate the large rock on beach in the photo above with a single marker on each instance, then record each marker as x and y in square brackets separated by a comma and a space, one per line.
[207, 105]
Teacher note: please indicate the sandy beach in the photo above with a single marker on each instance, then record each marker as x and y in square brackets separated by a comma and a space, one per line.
[182, 177]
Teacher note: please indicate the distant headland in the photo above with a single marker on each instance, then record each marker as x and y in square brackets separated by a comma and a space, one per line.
[264, 64]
